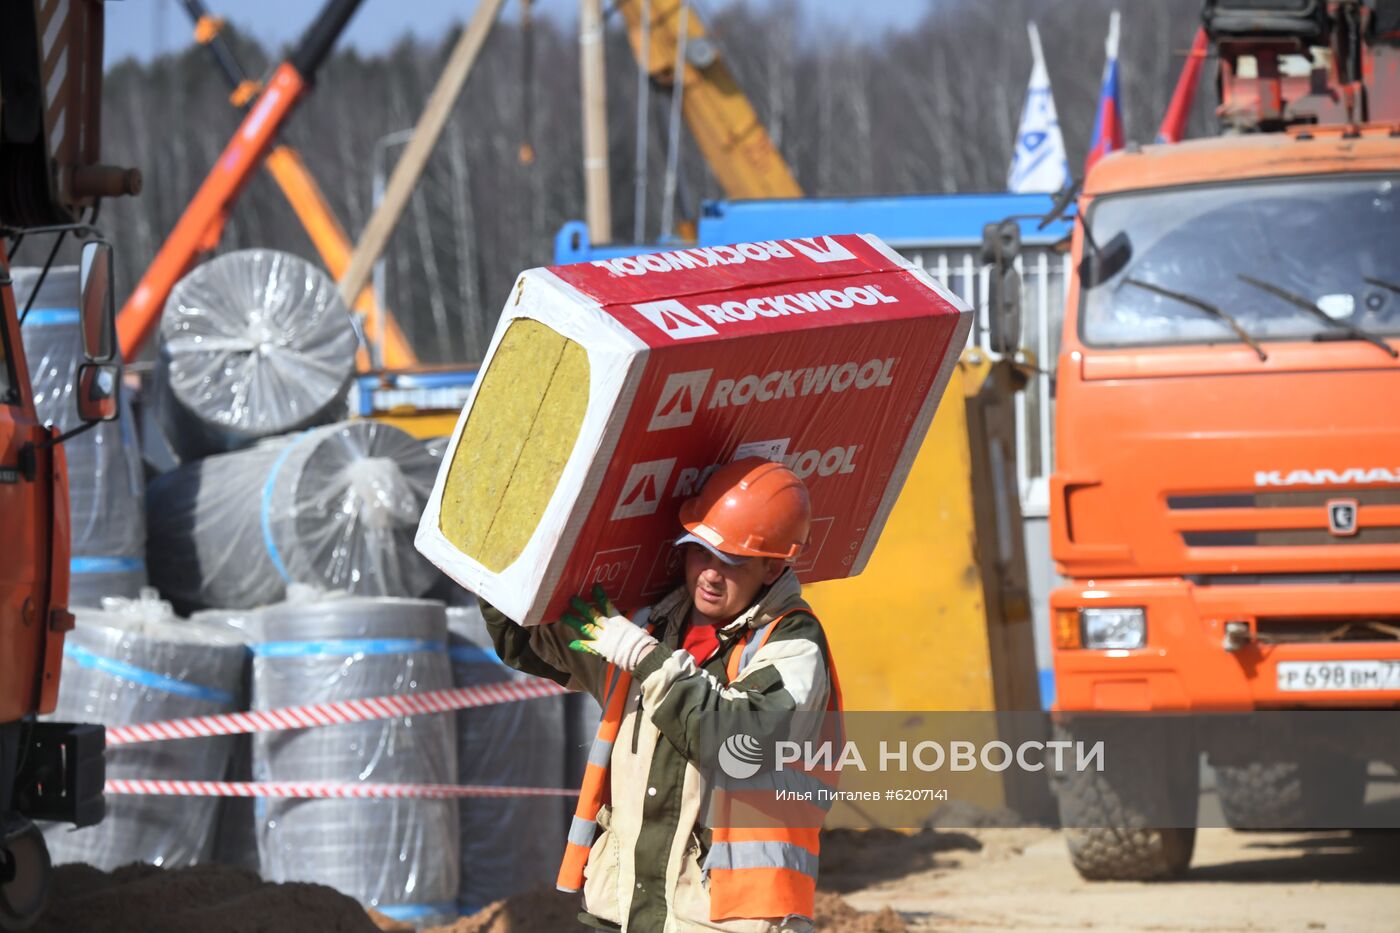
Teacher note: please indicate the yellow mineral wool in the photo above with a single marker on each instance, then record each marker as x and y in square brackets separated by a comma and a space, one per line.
[518, 436]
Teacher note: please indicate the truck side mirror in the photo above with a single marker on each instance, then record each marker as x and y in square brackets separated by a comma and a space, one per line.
[1101, 264]
[98, 385]
[1004, 305]
[97, 311]
[1001, 245]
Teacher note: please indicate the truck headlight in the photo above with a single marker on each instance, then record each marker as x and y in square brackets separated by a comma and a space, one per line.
[1114, 627]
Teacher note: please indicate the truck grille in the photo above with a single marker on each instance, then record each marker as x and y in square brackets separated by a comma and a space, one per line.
[1312, 629]
[1309, 530]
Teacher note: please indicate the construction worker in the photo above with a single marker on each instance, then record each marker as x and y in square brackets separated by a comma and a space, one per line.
[735, 639]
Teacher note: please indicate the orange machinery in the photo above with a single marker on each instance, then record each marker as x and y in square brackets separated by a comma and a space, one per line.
[199, 228]
[1226, 501]
[303, 194]
[51, 180]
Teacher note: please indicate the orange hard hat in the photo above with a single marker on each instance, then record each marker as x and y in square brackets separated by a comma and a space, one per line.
[749, 508]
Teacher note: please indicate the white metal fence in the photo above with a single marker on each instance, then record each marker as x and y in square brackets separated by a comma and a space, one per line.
[1045, 275]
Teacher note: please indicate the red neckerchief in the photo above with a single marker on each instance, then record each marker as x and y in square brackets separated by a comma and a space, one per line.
[701, 640]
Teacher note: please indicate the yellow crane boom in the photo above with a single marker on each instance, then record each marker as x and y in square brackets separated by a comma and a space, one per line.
[733, 141]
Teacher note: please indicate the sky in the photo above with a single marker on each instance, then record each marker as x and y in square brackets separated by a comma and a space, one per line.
[146, 28]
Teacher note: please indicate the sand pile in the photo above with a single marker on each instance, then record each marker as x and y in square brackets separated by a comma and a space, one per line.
[203, 899]
[546, 911]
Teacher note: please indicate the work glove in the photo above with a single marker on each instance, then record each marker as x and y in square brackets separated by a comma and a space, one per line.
[607, 633]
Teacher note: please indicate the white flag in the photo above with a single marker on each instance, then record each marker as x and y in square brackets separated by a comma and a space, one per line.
[1039, 163]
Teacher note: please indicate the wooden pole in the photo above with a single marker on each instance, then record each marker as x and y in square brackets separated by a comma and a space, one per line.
[415, 156]
[597, 194]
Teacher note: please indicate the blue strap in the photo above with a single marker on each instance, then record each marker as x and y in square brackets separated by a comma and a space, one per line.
[130, 672]
[47, 317]
[472, 654]
[345, 646]
[264, 516]
[417, 911]
[80, 565]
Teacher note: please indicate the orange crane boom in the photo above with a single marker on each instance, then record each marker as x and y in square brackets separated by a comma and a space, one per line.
[199, 228]
[304, 195]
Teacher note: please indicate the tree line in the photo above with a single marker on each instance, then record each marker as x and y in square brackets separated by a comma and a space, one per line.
[929, 107]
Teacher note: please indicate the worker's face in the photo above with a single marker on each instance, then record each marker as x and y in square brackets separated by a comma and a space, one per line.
[720, 591]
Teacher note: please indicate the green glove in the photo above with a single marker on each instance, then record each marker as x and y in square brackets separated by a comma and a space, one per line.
[605, 632]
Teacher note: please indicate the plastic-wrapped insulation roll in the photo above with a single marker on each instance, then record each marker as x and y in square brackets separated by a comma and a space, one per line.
[398, 856]
[234, 840]
[253, 344]
[334, 508]
[134, 662]
[105, 482]
[512, 844]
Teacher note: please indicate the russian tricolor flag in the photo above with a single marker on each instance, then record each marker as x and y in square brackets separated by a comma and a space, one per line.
[1108, 125]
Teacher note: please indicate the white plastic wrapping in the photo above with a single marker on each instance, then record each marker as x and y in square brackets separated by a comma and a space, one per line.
[334, 507]
[134, 662]
[398, 856]
[105, 485]
[253, 344]
[512, 844]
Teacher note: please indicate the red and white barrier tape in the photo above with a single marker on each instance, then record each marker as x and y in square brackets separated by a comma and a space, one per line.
[324, 789]
[333, 713]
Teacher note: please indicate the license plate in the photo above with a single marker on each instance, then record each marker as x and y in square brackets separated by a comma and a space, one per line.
[1339, 675]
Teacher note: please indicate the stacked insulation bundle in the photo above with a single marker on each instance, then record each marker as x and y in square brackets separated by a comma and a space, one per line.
[398, 856]
[334, 508]
[134, 662]
[105, 486]
[509, 844]
[612, 389]
[253, 344]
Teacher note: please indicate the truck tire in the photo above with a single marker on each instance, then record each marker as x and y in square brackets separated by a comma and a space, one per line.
[1289, 794]
[1114, 820]
[25, 872]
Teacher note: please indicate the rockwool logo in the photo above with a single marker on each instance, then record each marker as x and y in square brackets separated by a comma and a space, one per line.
[675, 320]
[680, 399]
[821, 249]
[827, 250]
[642, 491]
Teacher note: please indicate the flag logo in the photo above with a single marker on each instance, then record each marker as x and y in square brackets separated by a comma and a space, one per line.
[641, 493]
[821, 249]
[680, 399]
[675, 320]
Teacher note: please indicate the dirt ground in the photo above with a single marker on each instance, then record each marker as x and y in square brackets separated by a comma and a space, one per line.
[875, 882]
[1021, 879]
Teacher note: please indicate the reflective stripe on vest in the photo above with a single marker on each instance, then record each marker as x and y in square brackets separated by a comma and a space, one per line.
[595, 776]
[765, 872]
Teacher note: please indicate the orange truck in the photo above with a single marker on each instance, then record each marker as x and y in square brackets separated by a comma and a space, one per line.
[50, 184]
[1226, 501]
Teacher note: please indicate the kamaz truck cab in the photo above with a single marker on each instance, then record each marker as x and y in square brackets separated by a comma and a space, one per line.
[50, 184]
[1226, 500]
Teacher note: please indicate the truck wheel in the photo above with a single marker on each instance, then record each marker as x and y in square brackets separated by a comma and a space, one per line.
[1289, 794]
[1114, 820]
[24, 875]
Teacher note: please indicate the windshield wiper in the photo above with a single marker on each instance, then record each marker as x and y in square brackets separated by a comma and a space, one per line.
[1203, 305]
[1381, 283]
[1298, 301]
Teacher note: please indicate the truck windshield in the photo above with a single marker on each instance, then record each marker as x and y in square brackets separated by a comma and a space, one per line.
[1330, 240]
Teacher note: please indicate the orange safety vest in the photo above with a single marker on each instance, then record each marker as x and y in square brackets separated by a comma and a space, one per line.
[765, 868]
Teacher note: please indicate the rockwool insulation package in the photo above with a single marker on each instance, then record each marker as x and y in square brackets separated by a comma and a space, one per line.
[398, 856]
[334, 508]
[106, 487]
[253, 344]
[135, 662]
[613, 388]
[509, 844]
